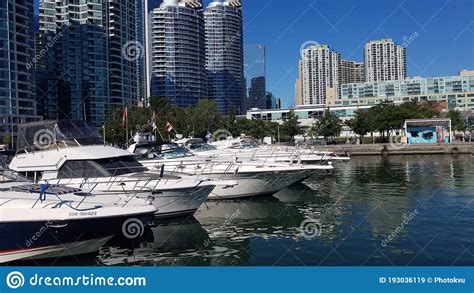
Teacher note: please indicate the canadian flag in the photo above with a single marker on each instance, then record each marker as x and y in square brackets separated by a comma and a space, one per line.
[124, 117]
[169, 127]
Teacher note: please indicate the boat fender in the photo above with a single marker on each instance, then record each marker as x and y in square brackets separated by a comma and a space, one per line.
[43, 188]
[162, 171]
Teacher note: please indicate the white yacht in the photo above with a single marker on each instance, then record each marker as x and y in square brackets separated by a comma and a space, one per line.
[254, 177]
[249, 149]
[59, 221]
[74, 154]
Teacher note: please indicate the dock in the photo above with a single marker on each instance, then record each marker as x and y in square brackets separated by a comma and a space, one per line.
[398, 150]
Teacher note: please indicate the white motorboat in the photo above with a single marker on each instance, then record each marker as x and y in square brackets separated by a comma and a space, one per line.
[249, 150]
[73, 153]
[254, 177]
[60, 221]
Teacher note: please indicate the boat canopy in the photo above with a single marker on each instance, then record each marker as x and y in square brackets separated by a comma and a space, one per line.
[161, 150]
[58, 133]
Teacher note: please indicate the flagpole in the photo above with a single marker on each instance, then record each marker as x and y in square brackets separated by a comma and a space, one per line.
[126, 127]
[103, 129]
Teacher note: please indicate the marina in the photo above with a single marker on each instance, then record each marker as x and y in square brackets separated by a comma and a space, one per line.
[369, 210]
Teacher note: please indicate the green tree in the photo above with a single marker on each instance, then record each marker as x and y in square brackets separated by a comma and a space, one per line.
[7, 139]
[291, 126]
[327, 126]
[457, 121]
[362, 123]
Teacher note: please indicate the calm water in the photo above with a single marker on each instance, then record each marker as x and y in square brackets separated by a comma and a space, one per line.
[416, 210]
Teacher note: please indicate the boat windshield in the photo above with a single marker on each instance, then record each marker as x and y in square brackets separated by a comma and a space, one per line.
[163, 151]
[175, 152]
[61, 133]
[244, 145]
[202, 147]
[100, 168]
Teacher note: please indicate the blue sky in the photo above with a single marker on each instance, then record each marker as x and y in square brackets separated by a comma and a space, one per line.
[441, 33]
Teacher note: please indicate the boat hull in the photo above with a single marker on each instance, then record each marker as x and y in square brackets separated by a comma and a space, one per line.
[180, 202]
[259, 184]
[53, 239]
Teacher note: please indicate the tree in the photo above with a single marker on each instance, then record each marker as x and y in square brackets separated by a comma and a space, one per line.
[362, 123]
[7, 139]
[327, 126]
[291, 126]
[457, 122]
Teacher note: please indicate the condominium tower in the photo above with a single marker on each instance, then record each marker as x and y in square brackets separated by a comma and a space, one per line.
[351, 72]
[224, 54]
[177, 65]
[384, 60]
[17, 95]
[95, 57]
[319, 78]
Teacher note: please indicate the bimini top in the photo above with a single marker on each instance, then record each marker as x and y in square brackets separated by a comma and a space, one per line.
[46, 134]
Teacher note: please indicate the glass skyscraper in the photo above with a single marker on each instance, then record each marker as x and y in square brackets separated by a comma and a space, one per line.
[224, 55]
[91, 68]
[178, 53]
[255, 76]
[17, 95]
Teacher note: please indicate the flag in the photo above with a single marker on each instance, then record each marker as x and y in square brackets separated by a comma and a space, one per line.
[153, 121]
[169, 127]
[124, 117]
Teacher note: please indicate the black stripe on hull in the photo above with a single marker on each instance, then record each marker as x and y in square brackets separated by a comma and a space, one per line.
[18, 236]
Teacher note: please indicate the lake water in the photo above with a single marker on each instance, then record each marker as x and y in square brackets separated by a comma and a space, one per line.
[413, 210]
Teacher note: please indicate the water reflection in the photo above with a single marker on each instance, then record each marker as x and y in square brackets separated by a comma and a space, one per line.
[365, 211]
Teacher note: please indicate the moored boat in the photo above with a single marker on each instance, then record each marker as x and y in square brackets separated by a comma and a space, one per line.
[59, 221]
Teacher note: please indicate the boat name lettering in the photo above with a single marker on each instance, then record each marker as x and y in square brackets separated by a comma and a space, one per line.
[82, 214]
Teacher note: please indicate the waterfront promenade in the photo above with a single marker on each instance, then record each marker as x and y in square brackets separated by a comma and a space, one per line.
[399, 149]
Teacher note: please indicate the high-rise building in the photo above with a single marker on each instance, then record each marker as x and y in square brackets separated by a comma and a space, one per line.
[320, 74]
[384, 60]
[123, 52]
[17, 95]
[299, 85]
[178, 52]
[351, 72]
[255, 75]
[224, 54]
[141, 19]
[257, 93]
[95, 57]
[145, 35]
[278, 103]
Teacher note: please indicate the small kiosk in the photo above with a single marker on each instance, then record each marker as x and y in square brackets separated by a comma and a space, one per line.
[428, 131]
